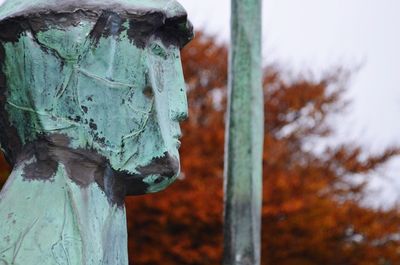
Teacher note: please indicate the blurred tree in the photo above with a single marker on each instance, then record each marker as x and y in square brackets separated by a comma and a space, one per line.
[4, 170]
[312, 212]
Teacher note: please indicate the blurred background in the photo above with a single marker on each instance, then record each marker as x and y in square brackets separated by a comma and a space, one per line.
[332, 137]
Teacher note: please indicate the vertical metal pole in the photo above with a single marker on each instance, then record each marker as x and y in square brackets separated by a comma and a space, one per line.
[244, 144]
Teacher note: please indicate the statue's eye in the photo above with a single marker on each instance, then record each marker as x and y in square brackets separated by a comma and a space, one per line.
[159, 51]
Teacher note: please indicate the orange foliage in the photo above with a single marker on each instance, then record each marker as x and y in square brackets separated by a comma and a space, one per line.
[4, 170]
[312, 211]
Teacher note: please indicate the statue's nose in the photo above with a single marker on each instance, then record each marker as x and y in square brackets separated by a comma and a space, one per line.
[178, 104]
[166, 76]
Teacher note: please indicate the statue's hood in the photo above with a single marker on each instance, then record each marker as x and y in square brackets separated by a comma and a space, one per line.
[167, 14]
[18, 8]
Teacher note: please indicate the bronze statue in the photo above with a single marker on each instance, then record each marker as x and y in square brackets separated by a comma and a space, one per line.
[92, 93]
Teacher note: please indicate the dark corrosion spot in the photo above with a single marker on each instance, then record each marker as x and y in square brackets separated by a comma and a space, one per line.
[176, 31]
[12, 29]
[100, 140]
[124, 182]
[92, 125]
[165, 166]
[84, 108]
[44, 166]
[141, 28]
[108, 24]
[159, 180]
[148, 92]
[34, 22]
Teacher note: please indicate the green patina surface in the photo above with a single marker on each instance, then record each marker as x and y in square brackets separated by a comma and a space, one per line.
[106, 96]
[59, 223]
[243, 165]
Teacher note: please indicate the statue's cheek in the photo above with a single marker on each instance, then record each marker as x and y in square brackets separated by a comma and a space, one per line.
[141, 149]
[109, 113]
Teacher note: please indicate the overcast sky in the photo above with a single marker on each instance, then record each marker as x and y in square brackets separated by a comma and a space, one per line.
[315, 35]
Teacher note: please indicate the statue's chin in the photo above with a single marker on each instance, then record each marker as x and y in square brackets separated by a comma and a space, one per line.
[153, 177]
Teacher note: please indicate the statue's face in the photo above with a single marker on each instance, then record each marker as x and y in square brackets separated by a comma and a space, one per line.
[111, 97]
[135, 106]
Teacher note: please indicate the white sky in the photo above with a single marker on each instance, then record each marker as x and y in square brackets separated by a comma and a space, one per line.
[315, 35]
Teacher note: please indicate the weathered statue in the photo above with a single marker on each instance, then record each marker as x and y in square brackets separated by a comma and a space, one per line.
[92, 94]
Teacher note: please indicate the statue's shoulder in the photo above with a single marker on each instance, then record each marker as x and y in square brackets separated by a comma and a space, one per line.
[18, 8]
